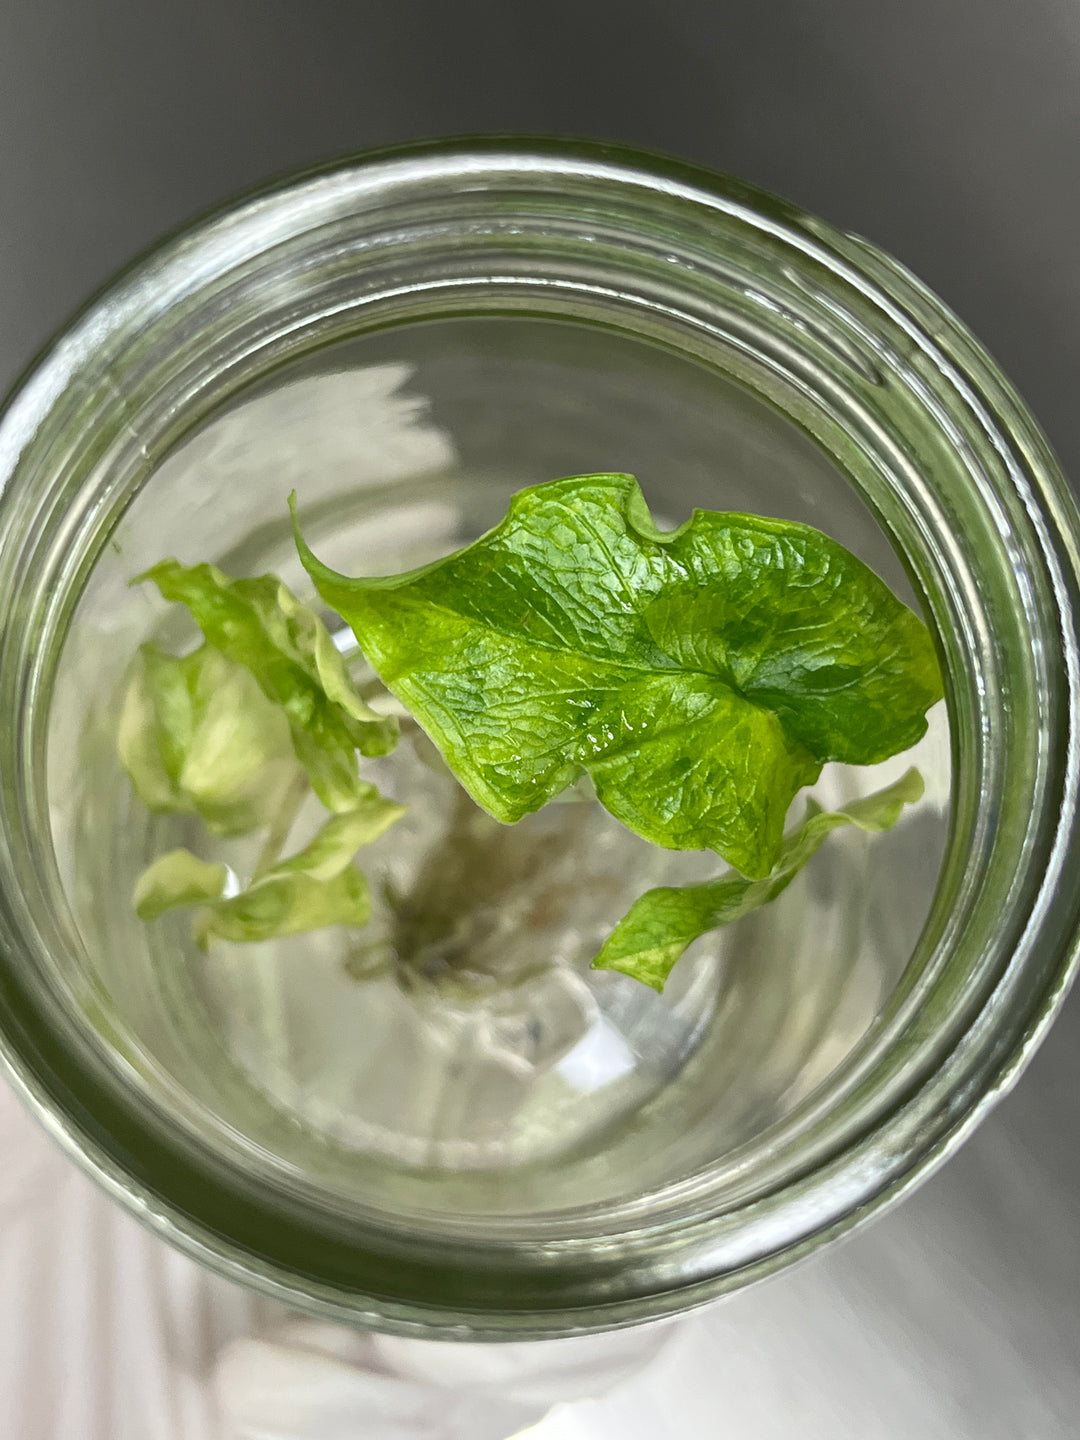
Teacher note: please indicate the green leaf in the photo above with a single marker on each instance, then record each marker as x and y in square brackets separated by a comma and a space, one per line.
[259, 624]
[176, 880]
[198, 736]
[660, 925]
[286, 905]
[339, 840]
[317, 887]
[699, 676]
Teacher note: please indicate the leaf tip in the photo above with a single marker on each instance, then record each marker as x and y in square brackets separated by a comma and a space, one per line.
[649, 975]
[303, 549]
[911, 785]
[151, 575]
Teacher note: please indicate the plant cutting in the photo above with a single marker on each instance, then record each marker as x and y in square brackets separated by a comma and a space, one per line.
[696, 679]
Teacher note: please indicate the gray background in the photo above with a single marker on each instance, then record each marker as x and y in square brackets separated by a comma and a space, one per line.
[947, 132]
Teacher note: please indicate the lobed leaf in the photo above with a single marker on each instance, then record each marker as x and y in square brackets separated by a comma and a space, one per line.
[701, 676]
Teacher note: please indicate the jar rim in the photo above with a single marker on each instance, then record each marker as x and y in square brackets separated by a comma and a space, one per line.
[1023, 502]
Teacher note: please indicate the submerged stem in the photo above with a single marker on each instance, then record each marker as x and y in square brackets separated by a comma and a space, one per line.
[281, 824]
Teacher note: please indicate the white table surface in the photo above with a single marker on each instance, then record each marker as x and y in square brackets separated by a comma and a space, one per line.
[954, 1317]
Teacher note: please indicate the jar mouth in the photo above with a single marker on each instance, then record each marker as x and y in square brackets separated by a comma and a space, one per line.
[885, 381]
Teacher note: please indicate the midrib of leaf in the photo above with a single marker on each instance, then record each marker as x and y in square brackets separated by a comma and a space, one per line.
[420, 700]
[595, 658]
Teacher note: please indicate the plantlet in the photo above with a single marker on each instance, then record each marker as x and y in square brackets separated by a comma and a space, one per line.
[699, 678]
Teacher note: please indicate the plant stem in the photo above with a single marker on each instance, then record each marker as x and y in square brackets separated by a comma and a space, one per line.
[281, 824]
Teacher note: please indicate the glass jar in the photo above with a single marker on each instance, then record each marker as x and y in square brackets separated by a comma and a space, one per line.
[409, 337]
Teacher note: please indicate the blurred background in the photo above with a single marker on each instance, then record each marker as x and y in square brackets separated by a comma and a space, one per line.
[948, 132]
